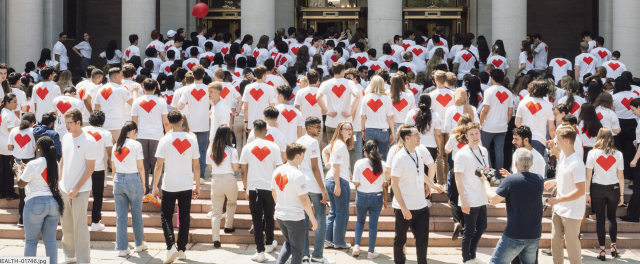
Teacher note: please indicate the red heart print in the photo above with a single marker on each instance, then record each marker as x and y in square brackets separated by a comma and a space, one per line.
[238, 88]
[388, 63]
[575, 107]
[63, 107]
[168, 98]
[607, 162]
[106, 93]
[127, 53]
[167, 69]
[42, 92]
[256, 53]
[406, 46]
[256, 93]
[96, 135]
[636, 92]
[338, 90]
[409, 69]
[198, 94]
[552, 99]
[361, 59]
[602, 54]
[401, 105]
[479, 98]
[281, 181]
[626, 102]
[334, 58]
[600, 116]
[441, 43]
[460, 145]
[374, 104]
[466, 57]
[28, 108]
[456, 117]
[124, 152]
[224, 50]
[520, 96]
[374, 67]
[25, 74]
[260, 153]
[614, 66]
[148, 105]
[242, 51]
[269, 83]
[546, 48]
[393, 52]
[533, 107]
[44, 175]
[530, 60]
[152, 47]
[370, 176]
[561, 62]
[181, 145]
[289, 115]
[237, 74]
[224, 92]
[190, 65]
[311, 99]
[414, 91]
[502, 96]
[81, 93]
[270, 138]
[444, 99]
[292, 96]
[414, 117]
[295, 50]
[209, 57]
[22, 140]
[587, 60]
[497, 62]
[167, 47]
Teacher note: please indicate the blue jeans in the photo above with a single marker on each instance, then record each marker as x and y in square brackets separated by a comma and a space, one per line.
[498, 147]
[41, 215]
[475, 223]
[127, 191]
[358, 143]
[507, 249]
[203, 140]
[372, 203]
[381, 137]
[338, 217]
[320, 212]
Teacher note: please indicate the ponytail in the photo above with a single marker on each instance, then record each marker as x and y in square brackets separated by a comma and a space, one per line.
[375, 159]
[424, 118]
[572, 88]
[8, 97]
[27, 120]
[128, 126]
[50, 155]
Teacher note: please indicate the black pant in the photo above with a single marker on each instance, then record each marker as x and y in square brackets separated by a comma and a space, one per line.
[261, 204]
[604, 200]
[22, 193]
[434, 154]
[97, 186]
[419, 224]
[633, 209]
[623, 143]
[6, 175]
[508, 146]
[166, 214]
[456, 210]
[586, 153]
[474, 227]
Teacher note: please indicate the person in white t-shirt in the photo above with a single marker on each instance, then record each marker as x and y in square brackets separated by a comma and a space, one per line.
[561, 67]
[601, 53]
[499, 62]
[525, 59]
[586, 37]
[290, 121]
[257, 96]
[157, 44]
[540, 51]
[60, 52]
[585, 62]
[132, 50]
[64, 103]
[537, 114]
[614, 67]
[571, 99]
[569, 203]
[306, 102]
[192, 61]
[14, 82]
[22, 143]
[377, 116]
[9, 123]
[359, 54]
[112, 54]
[43, 93]
[464, 60]
[79, 154]
[339, 106]
[88, 92]
[181, 169]
[497, 110]
[441, 99]
[111, 99]
[83, 49]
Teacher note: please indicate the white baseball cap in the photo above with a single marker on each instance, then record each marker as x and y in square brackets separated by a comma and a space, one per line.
[171, 33]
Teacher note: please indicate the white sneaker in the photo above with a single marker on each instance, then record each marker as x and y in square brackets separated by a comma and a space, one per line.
[320, 260]
[141, 248]
[356, 250]
[95, 227]
[201, 181]
[306, 259]
[469, 262]
[124, 253]
[478, 261]
[328, 244]
[66, 259]
[373, 255]
[272, 247]
[346, 246]
[182, 255]
[172, 254]
[259, 257]
[105, 183]
[210, 214]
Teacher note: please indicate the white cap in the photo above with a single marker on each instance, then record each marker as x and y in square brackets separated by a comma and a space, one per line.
[171, 33]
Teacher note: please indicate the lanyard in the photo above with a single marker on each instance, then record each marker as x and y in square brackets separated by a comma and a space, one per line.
[414, 160]
[474, 154]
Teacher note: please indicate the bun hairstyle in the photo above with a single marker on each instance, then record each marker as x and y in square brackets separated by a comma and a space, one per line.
[27, 120]
[45, 143]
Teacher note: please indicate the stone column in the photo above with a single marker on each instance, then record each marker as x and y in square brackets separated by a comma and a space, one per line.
[138, 17]
[24, 32]
[480, 19]
[384, 20]
[173, 15]
[626, 32]
[192, 22]
[258, 18]
[606, 22]
[3, 31]
[285, 18]
[53, 22]
[509, 24]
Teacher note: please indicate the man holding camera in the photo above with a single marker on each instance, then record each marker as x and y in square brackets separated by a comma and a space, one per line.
[469, 162]
[524, 214]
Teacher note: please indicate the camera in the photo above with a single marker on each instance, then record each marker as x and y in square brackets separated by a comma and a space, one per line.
[490, 174]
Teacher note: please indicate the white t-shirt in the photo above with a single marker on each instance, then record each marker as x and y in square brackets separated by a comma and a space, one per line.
[8, 120]
[571, 170]
[538, 166]
[309, 106]
[369, 182]
[127, 160]
[158, 45]
[149, 110]
[189, 63]
[587, 141]
[416, 90]
[156, 65]
[60, 49]
[112, 97]
[499, 62]
[263, 157]
[165, 67]
[560, 68]
[103, 140]
[466, 162]
[24, 144]
[540, 59]
[605, 167]
[339, 156]
[274, 135]
[75, 152]
[220, 115]
[466, 61]
[197, 97]
[427, 139]
[587, 63]
[575, 109]
[288, 122]
[130, 85]
[387, 60]
[361, 57]
[401, 109]
[131, 51]
[85, 49]
[376, 65]
[411, 180]
[313, 151]
[608, 118]
[91, 90]
[35, 173]
[338, 92]
[441, 99]
[179, 149]
[499, 99]
[411, 67]
[289, 183]
[615, 68]
[229, 95]
[444, 50]
[257, 97]
[535, 113]
[62, 105]
[261, 55]
[396, 52]
[226, 166]
[116, 57]
[602, 54]
[376, 108]
[454, 146]
[443, 42]
[621, 104]
[21, 97]
[452, 115]
[528, 63]
[43, 94]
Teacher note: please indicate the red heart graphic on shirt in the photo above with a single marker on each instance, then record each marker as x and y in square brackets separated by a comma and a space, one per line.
[283, 60]
[520, 96]
[127, 53]
[409, 69]
[225, 91]
[361, 59]
[22, 140]
[414, 91]
[466, 57]
[237, 74]
[242, 51]
[496, 62]
[414, 117]
[401, 105]
[636, 92]
[614, 66]
[334, 58]
[479, 98]
[294, 50]
[533, 107]
[42, 92]
[552, 99]
[441, 43]
[502, 96]
[167, 47]
[338, 90]
[388, 63]
[289, 114]
[374, 67]
[281, 181]
[370, 176]
[124, 152]
[600, 116]
[461, 145]
[406, 46]
[63, 107]
[456, 117]
[292, 96]
[602, 54]
[587, 60]
[181, 145]
[530, 60]
[444, 99]
[269, 83]
[44, 175]
[561, 62]
[270, 138]
[198, 94]
[546, 48]
[152, 47]
[374, 104]
[168, 98]
[190, 65]
[167, 69]
[607, 162]
[95, 135]
[81, 93]
[626, 102]
[256, 53]
[148, 105]
[209, 57]
[393, 52]
[106, 93]
[575, 107]
[25, 74]
[260, 153]
[256, 93]
[224, 50]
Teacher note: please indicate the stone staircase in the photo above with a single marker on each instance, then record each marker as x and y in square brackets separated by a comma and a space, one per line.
[441, 223]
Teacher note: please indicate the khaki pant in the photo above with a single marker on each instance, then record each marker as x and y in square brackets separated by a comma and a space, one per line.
[75, 232]
[567, 230]
[442, 165]
[330, 132]
[238, 128]
[223, 185]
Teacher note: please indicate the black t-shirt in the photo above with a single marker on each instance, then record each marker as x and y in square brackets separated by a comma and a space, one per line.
[523, 194]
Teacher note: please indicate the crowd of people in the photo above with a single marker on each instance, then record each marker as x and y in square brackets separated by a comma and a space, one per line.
[322, 112]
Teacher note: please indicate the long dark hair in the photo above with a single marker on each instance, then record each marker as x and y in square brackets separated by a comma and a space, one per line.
[221, 141]
[50, 155]
[502, 51]
[591, 124]
[245, 39]
[111, 49]
[424, 118]
[526, 47]
[7, 98]
[234, 50]
[483, 48]
[45, 55]
[594, 89]
[27, 120]
[128, 126]
[572, 89]
[375, 159]
[29, 66]
[474, 88]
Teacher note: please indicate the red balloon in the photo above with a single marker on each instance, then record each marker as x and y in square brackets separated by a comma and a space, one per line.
[200, 10]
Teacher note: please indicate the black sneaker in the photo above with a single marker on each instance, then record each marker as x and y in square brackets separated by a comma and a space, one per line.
[12, 196]
[456, 231]
[216, 244]
[229, 230]
[546, 252]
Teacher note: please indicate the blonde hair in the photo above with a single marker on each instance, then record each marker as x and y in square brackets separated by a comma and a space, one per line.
[336, 136]
[407, 56]
[397, 88]
[567, 132]
[452, 79]
[440, 76]
[460, 131]
[376, 86]
[304, 82]
[64, 80]
[551, 88]
[605, 141]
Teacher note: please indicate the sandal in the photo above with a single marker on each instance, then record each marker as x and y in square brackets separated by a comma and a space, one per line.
[602, 255]
[614, 251]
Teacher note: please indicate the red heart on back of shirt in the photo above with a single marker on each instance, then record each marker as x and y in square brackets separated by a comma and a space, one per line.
[294, 50]
[374, 104]
[148, 105]
[124, 152]
[181, 145]
[401, 105]
[225, 91]
[600, 116]
[406, 46]
[444, 99]
[256, 53]
[466, 57]
[311, 98]
[575, 107]
[289, 115]
[417, 51]
[106, 93]
[626, 102]
[561, 62]
[198, 93]
[602, 54]
[388, 63]
[260, 153]
[42, 92]
[456, 117]
[587, 60]
[256, 93]
[533, 107]
[127, 52]
[95, 135]
[224, 50]
[370, 176]
[281, 181]
[614, 66]
[63, 107]
[169, 98]
[607, 162]
[338, 90]
[374, 67]
[44, 175]
[22, 140]
[361, 59]
[502, 96]
[497, 62]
